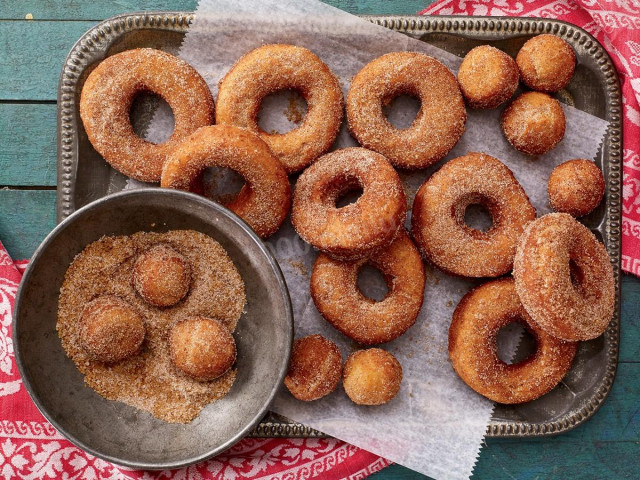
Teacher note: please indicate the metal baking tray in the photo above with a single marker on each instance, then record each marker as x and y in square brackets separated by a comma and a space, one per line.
[83, 176]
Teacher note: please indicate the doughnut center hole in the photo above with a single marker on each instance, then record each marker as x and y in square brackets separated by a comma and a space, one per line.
[401, 110]
[372, 283]
[576, 274]
[281, 111]
[143, 110]
[515, 343]
[478, 217]
[349, 196]
[221, 184]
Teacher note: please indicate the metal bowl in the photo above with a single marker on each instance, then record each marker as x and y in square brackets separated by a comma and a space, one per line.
[112, 430]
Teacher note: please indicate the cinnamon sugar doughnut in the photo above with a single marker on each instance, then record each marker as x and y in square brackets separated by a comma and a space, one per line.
[358, 229]
[436, 129]
[438, 218]
[372, 377]
[487, 77]
[564, 278]
[161, 276]
[474, 353]
[265, 198]
[107, 96]
[336, 295]
[576, 187]
[546, 63]
[272, 68]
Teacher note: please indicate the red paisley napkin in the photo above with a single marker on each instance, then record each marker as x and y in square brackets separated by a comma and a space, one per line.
[616, 25]
[30, 448]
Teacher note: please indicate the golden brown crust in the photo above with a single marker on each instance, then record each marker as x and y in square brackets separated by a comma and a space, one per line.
[474, 353]
[110, 329]
[161, 276]
[438, 224]
[337, 297]
[564, 278]
[315, 368]
[265, 199]
[487, 77]
[436, 129]
[106, 100]
[356, 230]
[546, 63]
[272, 68]
[202, 348]
[372, 377]
[576, 187]
[533, 123]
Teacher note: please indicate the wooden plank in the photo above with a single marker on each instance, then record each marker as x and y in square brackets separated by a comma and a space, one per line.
[630, 308]
[28, 139]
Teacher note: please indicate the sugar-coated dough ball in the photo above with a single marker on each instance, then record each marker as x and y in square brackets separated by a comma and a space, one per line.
[546, 63]
[533, 123]
[162, 276]
[487, 77]
[315, 368]
[576, 187]
[110, 329]
[201, 347]
[372, 377]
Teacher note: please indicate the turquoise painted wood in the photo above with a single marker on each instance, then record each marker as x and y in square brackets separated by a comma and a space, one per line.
[31, 55]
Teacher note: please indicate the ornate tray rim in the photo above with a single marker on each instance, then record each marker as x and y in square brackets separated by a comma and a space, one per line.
[102, 35]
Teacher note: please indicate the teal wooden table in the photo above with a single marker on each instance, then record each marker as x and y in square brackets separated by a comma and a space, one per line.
[35, 37]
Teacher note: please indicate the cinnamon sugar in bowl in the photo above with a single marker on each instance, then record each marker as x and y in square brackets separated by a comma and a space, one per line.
[113, 430]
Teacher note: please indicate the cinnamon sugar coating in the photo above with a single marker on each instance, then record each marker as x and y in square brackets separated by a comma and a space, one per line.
[315, 368]
[161, 276]
[337, 297]
[273, 68]
[576, 187]
[546, 63]
[436, 129]
[356, 230]
[264, 200]
[564, 278]
[474, 352]
[438, 217]
[533, 123]
[372, 377]
[107, 96]
[487, 77]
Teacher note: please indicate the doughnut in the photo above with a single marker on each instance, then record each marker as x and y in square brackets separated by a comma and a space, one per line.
[474, 352]
[546, 63]
[110, 329]
[576, 187]
[161, 276]
[107, 96]
[533, 123]
[487, 77]
[564, 278]
[264, 200]
[360, 228]
[315, 368]
[202, 348]
[371, 377]
[273, 68]
[438, 218]
[337, 297]
[436, 129]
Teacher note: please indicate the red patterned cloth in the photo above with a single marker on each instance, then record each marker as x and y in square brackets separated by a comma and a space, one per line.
[30, 448]
[616, 25]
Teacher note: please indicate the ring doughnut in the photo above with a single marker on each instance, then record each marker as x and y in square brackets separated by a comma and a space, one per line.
[474, 353]
[107, 96]
[564, 278]
[264, 200]
[438, 218]
[358, 229]
[337, 297]
[436, 129]
[576, 187]
[273, 68]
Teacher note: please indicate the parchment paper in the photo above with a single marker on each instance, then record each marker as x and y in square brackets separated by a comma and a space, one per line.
[436, 423]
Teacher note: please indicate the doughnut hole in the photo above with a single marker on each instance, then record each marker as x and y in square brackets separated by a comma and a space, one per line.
[576, 187]
[473, 212]
[143, 107]
[515, 343]
[401, 110]
[110, 329]
[546, 63]
[202, 348]
[372, 283]
[478, 217]
[162, 276]
[291, 103]
[221, 184]
[372, 377]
